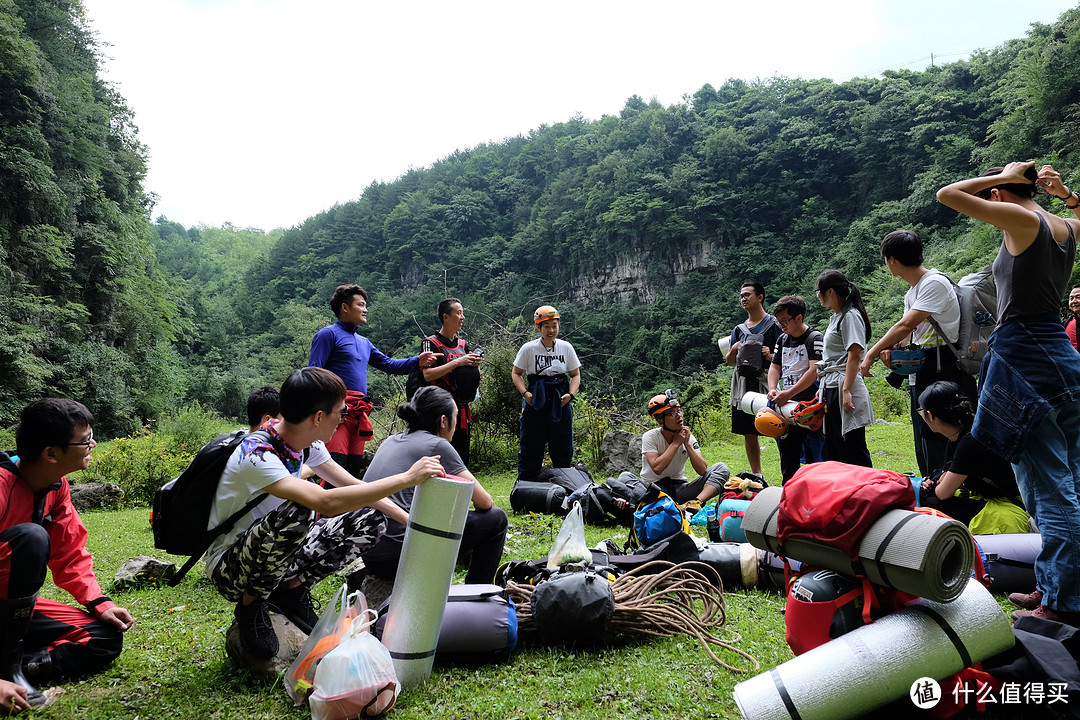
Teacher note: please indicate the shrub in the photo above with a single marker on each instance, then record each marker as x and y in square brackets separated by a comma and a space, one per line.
[189, 428]
[139, 464]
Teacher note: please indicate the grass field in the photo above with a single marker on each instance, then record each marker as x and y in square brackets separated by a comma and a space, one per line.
[174, 663]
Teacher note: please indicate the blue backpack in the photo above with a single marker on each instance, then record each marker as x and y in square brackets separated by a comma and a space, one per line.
[657, 518]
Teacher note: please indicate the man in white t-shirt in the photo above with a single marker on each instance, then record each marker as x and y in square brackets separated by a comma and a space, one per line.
[665, 451]
[300, 532]
[931, 297]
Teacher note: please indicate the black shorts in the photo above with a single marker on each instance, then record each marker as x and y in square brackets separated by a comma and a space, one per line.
[742, 423]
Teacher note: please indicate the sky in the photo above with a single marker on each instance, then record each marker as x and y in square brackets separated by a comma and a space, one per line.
[262, 113]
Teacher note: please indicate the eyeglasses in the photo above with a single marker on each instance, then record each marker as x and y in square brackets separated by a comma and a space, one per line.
[745, 295]
[783, 321]
[920, 411]
[343, 412]
[86, 443]
[673, 412]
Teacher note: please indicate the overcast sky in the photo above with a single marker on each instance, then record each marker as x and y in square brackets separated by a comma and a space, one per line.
[262, 113]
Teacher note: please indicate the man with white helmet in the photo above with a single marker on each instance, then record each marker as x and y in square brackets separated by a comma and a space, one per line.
[665, 451]
[547, 373]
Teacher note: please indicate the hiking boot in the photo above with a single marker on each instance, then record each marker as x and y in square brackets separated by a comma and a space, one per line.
[1068, 618]
[15, 614]
[1026, 601]
[296, 605]
[257, 634]
[38, 667]
[691, 506]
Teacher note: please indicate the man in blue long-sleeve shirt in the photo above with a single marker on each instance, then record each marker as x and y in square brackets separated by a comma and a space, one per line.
[339, 349]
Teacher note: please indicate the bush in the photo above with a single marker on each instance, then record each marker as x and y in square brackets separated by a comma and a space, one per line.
[189, 428]
[139, 464]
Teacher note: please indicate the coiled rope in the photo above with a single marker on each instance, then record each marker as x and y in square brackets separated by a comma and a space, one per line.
[663, 599]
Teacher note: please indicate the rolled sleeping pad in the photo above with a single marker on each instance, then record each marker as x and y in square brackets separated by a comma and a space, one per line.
[425, 569]
[754, 401]
[924, 555]
[875, 664]
[1010, 560]
[730, 514]
[735, 563]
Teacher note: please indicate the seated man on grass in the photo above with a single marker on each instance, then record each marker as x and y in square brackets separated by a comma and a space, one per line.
[665, 451]
[42, 641]
[300, 532]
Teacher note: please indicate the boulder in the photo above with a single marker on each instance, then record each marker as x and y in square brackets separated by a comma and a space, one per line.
[291, 640]
[620, 451]
[95, 495]
[143, 570]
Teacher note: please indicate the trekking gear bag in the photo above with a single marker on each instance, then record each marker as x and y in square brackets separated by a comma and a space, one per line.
[570, 478]
[656, 518]
[181, 513]
[749, 361]
[907, 361]
[479, 623]
[573, 608]
[595, 501]
[836, 503]
[977, 295]
[539, 497]
[627, 490]
[730, 513]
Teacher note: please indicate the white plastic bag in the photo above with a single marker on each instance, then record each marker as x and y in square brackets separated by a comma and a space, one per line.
[355, 679]
[570, 545]
[325, 636]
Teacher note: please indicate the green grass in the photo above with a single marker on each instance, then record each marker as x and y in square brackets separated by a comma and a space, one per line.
[174, 664]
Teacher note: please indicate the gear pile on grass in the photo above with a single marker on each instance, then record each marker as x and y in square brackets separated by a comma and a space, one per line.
[659, 598]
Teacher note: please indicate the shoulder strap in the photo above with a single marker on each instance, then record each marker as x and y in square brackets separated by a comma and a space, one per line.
[954, 346]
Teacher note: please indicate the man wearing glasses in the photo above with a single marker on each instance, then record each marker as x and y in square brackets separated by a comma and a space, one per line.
[298, 532]
[665, 451]
[42, 641]
[758, 323]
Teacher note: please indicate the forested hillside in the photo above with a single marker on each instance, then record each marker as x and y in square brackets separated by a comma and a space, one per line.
[639, 226]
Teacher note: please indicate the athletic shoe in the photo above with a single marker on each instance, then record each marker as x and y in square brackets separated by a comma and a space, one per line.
[296, 605]
[1068, 618]
[257, 634]
[1026, 601]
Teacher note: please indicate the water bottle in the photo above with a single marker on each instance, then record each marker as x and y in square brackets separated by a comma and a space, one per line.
[713, 526]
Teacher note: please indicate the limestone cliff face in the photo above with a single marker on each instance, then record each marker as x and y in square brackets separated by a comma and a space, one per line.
[633, 274]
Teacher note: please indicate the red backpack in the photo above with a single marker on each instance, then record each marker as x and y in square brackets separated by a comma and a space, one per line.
[835, 503]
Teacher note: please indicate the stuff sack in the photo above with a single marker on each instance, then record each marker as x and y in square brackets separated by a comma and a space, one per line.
[748, 359]
[539, 497]
[573, 608]
[730, 514]
[356, 678]
[480, 623]
[570, 478]
[977, 295]
[835, 503]
[181, 513]
[657, 518]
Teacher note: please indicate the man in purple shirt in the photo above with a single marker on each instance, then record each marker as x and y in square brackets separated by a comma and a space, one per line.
[339, 349]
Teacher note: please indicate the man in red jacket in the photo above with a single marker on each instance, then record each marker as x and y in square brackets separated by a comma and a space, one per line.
[42, 641]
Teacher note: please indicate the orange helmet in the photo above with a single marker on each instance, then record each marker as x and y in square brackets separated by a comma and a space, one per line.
[770, 423]
[544, 313]
[660, 404]
[809, 413]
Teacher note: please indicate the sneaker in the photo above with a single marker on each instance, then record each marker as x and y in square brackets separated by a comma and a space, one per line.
[296, 605]
[1068, 618]
[257, 634]
[1026, 601]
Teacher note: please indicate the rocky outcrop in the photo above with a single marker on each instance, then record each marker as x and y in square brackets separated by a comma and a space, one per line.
[635, 275]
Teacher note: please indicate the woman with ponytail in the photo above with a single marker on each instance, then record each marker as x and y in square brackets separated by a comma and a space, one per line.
[983, 474]
[847, 400]
[431, 418]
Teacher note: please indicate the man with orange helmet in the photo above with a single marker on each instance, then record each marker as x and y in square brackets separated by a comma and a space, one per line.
[793, 367]
[665, 451]
[547, 373]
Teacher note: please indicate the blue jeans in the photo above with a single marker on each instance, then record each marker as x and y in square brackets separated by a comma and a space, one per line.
[1048, 475]
[538, 430]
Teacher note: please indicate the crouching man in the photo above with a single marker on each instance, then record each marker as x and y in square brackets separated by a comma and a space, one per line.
[301, 532]
[665, 451]
[42, 641]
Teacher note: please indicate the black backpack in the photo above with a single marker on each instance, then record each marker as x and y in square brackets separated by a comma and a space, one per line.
[462, 382]
[182, 506]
